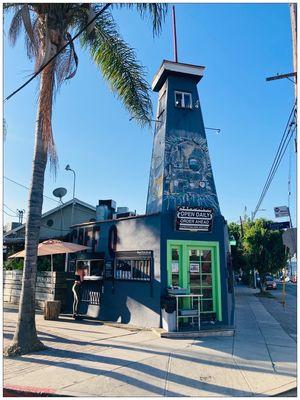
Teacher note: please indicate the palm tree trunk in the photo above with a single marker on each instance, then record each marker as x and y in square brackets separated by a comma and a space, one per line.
[25, 339]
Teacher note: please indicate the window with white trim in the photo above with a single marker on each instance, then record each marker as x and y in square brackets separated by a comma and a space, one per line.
[183, 99]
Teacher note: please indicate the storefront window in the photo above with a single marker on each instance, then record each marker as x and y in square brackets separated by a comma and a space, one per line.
[195, 271]
[134, 269]
[175, 267]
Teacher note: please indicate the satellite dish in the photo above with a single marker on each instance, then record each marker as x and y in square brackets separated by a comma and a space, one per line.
[59, 192]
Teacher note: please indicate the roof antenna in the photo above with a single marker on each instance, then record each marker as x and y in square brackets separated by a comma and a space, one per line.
[174, 35]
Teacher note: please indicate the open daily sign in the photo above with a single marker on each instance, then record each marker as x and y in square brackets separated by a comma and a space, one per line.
[194, 218]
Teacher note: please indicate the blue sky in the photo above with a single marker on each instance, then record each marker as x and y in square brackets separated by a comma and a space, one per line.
[239, 44]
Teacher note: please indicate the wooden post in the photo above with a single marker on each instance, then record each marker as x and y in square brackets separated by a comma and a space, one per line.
[52, 309]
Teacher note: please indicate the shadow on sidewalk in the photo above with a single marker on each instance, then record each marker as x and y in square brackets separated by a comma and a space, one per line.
[136, 366]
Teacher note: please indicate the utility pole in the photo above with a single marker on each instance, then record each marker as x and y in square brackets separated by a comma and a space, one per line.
[293, 15]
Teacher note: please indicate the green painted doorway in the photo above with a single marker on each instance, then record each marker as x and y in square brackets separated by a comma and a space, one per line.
[195, 266]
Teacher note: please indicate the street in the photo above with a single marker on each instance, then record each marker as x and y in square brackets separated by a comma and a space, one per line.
[285, 315]
[291, 288]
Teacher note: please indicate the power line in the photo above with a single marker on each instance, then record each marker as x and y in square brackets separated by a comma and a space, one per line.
[25, 187]
[9, 209]
[278, 161]
[286, 137]
[59, 51]
[9, 214]
[49, 198]
[278, 153]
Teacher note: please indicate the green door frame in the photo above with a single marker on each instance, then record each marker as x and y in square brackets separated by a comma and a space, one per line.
[184, 245]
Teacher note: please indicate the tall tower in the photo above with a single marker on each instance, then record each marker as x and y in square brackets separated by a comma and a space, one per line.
[181, 172]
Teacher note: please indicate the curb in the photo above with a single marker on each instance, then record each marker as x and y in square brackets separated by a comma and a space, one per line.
[282, 391]
[29, 391]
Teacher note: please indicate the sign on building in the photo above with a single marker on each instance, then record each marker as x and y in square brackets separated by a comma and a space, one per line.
[282, 211]
[276, 226]
[194, 218]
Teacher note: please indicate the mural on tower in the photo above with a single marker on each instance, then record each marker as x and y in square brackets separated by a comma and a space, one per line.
[188, 172]
[155, 191]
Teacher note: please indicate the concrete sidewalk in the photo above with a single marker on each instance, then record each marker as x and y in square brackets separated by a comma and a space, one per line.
[87, 358]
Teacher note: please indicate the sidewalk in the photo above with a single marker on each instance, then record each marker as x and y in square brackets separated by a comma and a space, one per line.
[87, 358]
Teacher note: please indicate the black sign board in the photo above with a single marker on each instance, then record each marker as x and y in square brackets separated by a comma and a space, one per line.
[109, 269]
[135, 254]
[194, 219]
[275, 226]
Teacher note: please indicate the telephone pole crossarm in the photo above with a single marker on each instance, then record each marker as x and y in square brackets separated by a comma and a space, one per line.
[282, 76]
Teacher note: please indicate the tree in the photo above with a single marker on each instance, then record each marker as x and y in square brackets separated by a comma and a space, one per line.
[263, 248]
[237, 254]
[47, 29]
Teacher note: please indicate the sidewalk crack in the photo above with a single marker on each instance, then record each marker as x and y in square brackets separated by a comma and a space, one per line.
[167, 374]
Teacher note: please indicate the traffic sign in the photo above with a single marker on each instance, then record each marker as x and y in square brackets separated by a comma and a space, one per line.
[282, 211]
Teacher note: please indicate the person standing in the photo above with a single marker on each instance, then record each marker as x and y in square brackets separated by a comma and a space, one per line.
[76, 289]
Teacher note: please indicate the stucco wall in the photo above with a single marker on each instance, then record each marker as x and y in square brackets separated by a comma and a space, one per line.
[134, 302]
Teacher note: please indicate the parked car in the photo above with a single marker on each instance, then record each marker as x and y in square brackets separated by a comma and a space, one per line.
[286, 279]
[270, 283]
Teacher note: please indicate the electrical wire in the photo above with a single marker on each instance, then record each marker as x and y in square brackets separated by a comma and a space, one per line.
[49, 198]
[59, 51]
[273, 172]
[286, 137]
[10, 209]
[25, 187]
[277, 156]
[9, 214]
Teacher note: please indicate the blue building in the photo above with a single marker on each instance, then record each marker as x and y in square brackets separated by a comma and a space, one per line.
[182, 241]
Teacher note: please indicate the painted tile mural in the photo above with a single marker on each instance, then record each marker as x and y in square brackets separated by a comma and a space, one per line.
[188, 173]
[155, 190]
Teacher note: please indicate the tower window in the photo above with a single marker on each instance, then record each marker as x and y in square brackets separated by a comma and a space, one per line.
[183, 100]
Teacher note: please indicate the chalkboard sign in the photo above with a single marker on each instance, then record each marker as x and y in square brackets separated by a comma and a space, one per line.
[109, 269]
[194, 219]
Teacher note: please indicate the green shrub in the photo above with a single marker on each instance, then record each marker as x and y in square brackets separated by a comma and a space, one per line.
[15, 263]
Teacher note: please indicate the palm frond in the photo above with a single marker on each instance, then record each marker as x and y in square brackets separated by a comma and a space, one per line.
[9, 6]
[27, 22]
[120, 68]
[154, 12]
[15, 26]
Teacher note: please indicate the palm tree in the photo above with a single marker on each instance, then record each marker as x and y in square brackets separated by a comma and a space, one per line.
[47, 29]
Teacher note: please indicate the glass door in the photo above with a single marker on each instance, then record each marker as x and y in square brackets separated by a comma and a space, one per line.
[195, 266]
[200, 277]
[175, 277]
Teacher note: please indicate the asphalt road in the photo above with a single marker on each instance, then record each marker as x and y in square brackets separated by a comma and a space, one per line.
[290, 288]
[286, 314]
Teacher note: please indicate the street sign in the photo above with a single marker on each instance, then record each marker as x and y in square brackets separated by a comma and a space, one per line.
[276, 226]
[282, 211]
[194, 219]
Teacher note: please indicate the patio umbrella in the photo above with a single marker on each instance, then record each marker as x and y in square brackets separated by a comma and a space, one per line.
[50, 247]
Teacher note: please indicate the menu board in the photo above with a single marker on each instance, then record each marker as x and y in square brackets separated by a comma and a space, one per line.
[194, 219]
[109, 269]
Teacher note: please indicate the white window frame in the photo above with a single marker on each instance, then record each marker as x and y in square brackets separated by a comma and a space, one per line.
[182, 99]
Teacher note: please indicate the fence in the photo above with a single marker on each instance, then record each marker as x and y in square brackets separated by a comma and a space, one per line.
[12, 281]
